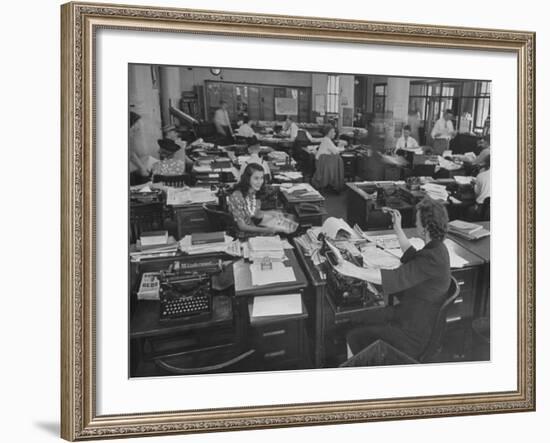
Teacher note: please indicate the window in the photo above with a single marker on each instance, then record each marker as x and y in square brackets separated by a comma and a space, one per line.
[333, 92]
[379, 102]
[469, 101]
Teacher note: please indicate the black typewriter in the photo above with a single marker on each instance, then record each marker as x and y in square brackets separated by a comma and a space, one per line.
[349, 292]
[185, 295]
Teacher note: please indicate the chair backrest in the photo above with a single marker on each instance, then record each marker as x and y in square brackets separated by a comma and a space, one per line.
[219, 220]
[440, 322]
[486, 209]
[176, 181]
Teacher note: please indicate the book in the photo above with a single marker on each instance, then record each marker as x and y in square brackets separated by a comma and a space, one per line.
[201, 238]
[464, 227]
[153, 238]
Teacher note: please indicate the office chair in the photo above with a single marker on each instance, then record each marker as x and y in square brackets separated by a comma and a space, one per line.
[440, 323]
[219, 219]
[236, 361]
[382, 353]
[175, 181]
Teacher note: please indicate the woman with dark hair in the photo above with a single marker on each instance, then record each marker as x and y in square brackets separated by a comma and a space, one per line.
[244, 203]
[419, 284]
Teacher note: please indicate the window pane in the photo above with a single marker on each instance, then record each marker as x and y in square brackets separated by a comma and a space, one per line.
[418, 104]
[482, 111]
[418, 89]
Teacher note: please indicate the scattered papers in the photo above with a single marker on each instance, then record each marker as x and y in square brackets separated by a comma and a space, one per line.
[435, 191]
[336, 228]
[376, 258]
[279, 273]
[288, 176]
[271, 305]
[469, 231]
[463, 180]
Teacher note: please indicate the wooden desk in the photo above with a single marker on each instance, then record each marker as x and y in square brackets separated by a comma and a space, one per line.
[481, 248]
[327, 324]
[245, 288]
[229, 327]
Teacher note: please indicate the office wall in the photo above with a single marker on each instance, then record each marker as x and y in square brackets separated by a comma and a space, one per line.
[196, 77]
[397, 98]
[144, 99]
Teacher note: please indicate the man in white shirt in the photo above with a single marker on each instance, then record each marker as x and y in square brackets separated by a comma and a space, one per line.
[442, 132]
[406, 142]
[290, 128]
[245, 130]
[222, 122]
[482, 186]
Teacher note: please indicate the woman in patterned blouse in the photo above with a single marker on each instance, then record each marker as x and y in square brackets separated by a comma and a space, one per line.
[168, 165]
[243, 203]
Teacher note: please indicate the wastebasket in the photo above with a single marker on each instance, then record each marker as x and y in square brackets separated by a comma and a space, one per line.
[379, 353]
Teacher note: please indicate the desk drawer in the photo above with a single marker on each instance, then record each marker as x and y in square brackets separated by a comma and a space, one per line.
[466, 279]
[277, 337]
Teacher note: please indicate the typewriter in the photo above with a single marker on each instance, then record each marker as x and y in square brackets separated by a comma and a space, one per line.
[185, 296]
[349, 292]
[153, 196]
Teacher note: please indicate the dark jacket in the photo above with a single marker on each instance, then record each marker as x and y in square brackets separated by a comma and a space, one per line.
[420, 284]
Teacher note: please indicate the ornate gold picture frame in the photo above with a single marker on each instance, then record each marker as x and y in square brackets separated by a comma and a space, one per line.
[80, 22]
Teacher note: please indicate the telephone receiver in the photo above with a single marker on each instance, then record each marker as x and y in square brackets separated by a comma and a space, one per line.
[309, 207]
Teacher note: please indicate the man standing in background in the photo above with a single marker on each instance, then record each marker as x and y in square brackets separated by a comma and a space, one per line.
[222, 123]
[442, 132]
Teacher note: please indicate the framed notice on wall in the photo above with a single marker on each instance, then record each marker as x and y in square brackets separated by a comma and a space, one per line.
[286, 106]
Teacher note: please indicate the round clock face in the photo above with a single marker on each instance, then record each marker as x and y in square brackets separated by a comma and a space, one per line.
[215, 71]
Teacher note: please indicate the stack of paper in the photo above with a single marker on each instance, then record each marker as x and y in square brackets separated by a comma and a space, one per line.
[278, 156]
[189, 196]
[289, 176]
[469, 231]
[302, 190]
[272, 305]
[168, 249]
[261, 247]
[186, 245]
[278, 273]
[435, 191]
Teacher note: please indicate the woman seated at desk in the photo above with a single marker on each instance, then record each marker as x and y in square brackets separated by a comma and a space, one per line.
[245, 205]
[245, 130]
[420, 285]
[168, 164]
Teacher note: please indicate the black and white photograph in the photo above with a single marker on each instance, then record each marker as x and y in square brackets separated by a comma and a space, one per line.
[296, 220]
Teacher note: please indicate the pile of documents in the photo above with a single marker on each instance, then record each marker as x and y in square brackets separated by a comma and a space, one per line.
[469, 231]
[227, 245]
[260, 248]
[154, 244]
[288, 176]
[189, 196]
[302, 190]
[278, 156]
[277, 273]
[435, 191]
[272, 305]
